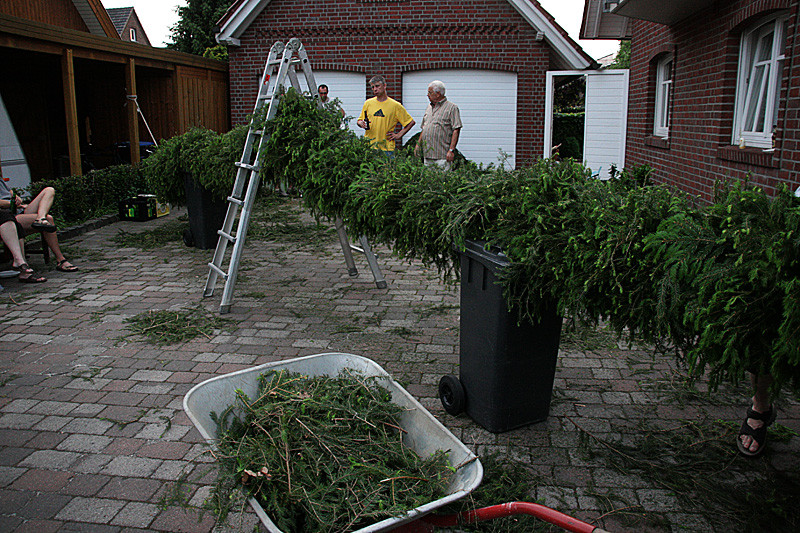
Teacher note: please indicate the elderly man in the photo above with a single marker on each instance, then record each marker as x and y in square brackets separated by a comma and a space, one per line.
[441, 127]
[380, 116]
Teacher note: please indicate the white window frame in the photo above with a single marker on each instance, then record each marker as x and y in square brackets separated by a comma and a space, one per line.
[133, 34]
[752, 75]
[665, 73]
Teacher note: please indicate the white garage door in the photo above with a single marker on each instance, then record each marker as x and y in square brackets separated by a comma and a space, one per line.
[487, 100]
[349, 87]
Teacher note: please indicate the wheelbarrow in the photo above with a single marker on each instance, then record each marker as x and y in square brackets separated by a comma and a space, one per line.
[424, 434]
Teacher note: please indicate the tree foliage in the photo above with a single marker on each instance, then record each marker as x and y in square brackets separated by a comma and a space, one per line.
[194, 31]
[623, 58]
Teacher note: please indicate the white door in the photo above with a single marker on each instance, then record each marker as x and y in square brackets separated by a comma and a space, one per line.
[12, 159]
[487, 100]
[349, 87]
[606, 119]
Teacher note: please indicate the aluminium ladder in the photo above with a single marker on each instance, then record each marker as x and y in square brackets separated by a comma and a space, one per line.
[280, 64]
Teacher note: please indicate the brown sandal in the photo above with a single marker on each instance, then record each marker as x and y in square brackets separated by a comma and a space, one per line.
[32, 276]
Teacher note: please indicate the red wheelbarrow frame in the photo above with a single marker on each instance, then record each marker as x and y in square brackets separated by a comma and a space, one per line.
[428, 523]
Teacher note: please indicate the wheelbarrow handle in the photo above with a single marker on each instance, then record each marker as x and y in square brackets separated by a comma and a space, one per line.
[513, 508]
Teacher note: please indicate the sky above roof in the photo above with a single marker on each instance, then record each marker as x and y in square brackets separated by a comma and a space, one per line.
[157, 16]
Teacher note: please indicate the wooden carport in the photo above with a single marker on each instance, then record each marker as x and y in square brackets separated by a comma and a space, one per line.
[71, 95]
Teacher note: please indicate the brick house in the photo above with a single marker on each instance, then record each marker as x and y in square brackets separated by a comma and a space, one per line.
[714, 88]
[492, 54]
[128, 25]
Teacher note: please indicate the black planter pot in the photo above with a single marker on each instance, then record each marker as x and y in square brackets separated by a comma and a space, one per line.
[506, 368]
[206, 215]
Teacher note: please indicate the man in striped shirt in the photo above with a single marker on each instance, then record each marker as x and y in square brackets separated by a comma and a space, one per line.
[441, 127]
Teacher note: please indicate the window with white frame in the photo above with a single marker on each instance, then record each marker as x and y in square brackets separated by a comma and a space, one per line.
[761, 57]
[133, 34]
[663, 96]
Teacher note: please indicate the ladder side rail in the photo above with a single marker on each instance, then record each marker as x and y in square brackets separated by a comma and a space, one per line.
[242, 173]
[295, 81]
[238, 246]
[305, 66]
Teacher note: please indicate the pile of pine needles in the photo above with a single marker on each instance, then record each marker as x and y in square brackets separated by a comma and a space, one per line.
[172, 327]
[322, 454]
[156, 237]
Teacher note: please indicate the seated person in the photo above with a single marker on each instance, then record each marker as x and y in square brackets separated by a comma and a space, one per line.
[9, 232]
[34, 217]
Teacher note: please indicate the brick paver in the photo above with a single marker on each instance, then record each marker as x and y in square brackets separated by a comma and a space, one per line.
[92, 432]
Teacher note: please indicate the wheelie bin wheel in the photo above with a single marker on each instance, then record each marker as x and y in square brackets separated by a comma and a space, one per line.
[452, 395]
[188, 238]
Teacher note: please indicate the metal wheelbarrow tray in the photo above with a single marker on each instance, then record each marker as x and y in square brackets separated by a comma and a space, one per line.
[424, 434]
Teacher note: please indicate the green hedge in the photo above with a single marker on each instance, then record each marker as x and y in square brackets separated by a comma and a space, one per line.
[80, 198]
[204, 155]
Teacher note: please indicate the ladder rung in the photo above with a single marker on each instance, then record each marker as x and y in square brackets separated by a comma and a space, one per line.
[226, 236]
[245, 165]
[236, 201]
[218, 270]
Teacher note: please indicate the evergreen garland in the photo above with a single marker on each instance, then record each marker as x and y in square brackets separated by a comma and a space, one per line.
[719, 283]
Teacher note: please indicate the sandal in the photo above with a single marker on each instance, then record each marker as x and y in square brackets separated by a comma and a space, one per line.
[32, 276]
[759, 434]
[68, 267]
[44, 225]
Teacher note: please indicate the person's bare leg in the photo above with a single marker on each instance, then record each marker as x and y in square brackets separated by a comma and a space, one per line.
[26, 220]
[761, 404]
[8, 233]
[42, 203]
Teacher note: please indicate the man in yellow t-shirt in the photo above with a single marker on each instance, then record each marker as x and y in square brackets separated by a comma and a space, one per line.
[380, 115]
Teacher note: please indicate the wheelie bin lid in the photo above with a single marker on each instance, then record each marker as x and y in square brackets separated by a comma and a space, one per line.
[492, 258]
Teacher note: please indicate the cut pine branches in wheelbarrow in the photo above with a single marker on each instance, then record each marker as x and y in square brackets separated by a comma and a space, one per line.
[310, 442]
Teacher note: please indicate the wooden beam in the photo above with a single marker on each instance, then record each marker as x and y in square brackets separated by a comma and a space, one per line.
[71, 111]
[27, 34]
[133, 114]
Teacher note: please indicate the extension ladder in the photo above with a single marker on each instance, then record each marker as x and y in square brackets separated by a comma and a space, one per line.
[281, 63]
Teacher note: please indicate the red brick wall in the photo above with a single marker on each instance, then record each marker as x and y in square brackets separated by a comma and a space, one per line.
[389, 37]
[699, 150]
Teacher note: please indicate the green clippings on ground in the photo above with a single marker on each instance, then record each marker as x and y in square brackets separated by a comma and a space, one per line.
[257, 295]
[402, 331]
[322, 454]
[579, 336]
[504, 480]
[171, 327]
[697, 460]
[437, 310]
[348, 328]
[169, 231]
[121, 424]
[71, 297]
[97, 316]
[177, 493]
[271, 221]
[87, 374]
[6, 379]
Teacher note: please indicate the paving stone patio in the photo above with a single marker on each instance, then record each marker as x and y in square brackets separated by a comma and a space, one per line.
[93, 436]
